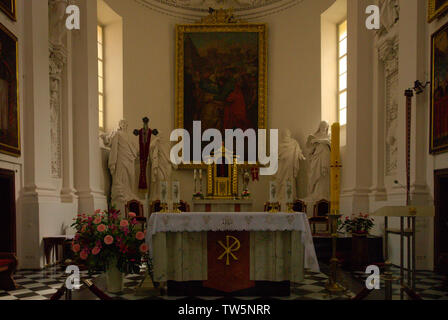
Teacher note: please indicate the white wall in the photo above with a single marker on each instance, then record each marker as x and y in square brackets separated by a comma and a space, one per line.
[294, 72]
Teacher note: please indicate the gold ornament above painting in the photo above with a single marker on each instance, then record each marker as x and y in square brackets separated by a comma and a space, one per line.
[9, 8]
[221, 74]
[436, 8]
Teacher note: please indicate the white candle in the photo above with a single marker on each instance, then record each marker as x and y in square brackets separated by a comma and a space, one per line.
[272, 192]
[176, 191]
[195, 173]
[288, 191]
[163, 191]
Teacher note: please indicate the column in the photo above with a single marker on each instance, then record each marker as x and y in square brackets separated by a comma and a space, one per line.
[357, 161]
[87, 160]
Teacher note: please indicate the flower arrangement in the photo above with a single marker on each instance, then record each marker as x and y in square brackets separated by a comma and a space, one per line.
[357, 224]
[198, 195]
[105, 238]
[246, 194]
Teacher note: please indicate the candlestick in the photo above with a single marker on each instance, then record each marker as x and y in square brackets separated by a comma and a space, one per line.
[335, 168]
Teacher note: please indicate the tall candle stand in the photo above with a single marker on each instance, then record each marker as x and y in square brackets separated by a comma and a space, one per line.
[332, 285]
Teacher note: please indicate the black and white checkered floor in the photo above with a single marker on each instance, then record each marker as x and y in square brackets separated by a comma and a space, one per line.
[41, 285]
[428, 285]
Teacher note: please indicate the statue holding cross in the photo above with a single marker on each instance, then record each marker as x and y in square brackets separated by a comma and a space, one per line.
[144, 135]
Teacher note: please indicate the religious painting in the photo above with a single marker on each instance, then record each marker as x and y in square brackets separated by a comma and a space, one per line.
[221, 76]
[9, 8]
[436, 8]
[9, 107]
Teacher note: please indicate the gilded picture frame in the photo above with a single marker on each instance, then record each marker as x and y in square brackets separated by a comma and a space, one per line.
[436, 8]
[206, 43]
[9, 94]
[9, 8]
[439, 92]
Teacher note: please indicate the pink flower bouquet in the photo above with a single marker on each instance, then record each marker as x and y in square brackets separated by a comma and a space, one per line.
[105, 237]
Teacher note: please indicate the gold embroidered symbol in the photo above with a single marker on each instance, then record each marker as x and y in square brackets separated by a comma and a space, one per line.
[229, 249]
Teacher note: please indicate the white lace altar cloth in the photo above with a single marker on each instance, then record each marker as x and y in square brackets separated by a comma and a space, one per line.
[236, 221]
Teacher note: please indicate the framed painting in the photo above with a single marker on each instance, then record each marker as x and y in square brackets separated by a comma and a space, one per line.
[436, 8]
[9, 95]
[9, 8]
[221, 76]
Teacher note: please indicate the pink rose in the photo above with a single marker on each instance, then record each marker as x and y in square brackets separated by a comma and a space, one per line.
[132, 214]
[101, 228]
[124, 223]
[140, 235]
[95, 251]
[108, 239]
[97, 220]
[97, 211]
[83, 255]
[144, 247]
[76, 247]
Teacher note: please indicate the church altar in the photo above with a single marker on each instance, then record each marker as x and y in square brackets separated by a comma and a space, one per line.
[231, 251]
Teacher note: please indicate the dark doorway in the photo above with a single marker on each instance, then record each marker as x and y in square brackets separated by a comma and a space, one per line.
[441, 217]
[7, 211]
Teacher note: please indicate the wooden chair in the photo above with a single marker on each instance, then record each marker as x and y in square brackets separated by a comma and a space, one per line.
[299, 206]
[320, 214]
[184, 206]
[8, 266]
[136, 207]
[155, 207]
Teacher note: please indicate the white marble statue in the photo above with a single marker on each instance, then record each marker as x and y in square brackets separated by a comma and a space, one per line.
[319, 152]
[161, 166]
[123, 153]
[289, 156]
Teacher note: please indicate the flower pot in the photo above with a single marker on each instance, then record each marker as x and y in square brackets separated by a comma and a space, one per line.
[114, 278]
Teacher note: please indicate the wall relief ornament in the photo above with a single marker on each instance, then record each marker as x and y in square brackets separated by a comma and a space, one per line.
[192, 10]
[388, 55]
[57, 62]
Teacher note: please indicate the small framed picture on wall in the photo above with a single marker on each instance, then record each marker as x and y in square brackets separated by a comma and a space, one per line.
[9, 8]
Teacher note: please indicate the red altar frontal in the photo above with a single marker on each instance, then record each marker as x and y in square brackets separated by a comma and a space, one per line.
[230, 253]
